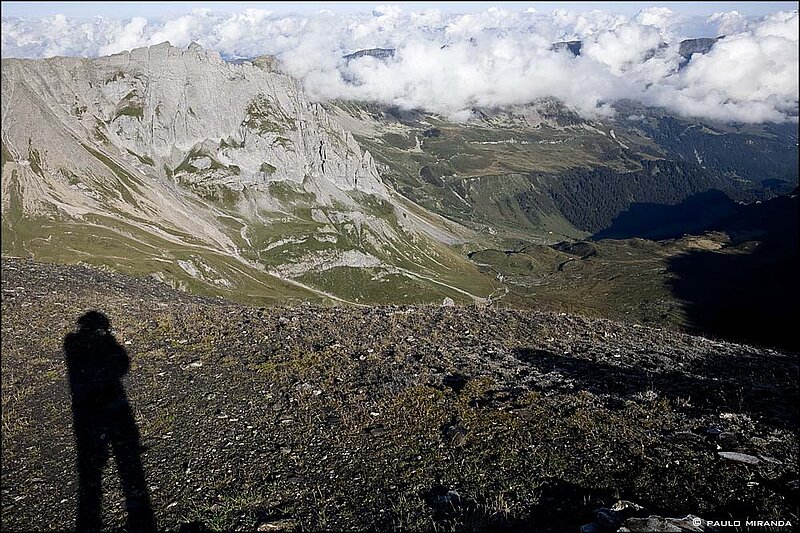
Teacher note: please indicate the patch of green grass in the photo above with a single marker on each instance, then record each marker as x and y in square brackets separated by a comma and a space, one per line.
[129, 106]
[124, 247]
[36, 161]
[625, 280]
[5, 155]
[290, 193]
[264, 115]
[225, 514]
[399, 141]
[127, 179]
[145, 160]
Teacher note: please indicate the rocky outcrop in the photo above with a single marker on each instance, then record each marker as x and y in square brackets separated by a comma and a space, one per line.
[702, 45]
[573, 47]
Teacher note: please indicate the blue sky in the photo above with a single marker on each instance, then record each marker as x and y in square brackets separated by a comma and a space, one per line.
[159, 9]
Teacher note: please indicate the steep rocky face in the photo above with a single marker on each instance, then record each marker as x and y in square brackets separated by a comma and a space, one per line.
[175, 155]
[181, 108]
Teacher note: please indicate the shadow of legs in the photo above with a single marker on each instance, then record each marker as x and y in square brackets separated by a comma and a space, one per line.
[92, 456]
[125, 442]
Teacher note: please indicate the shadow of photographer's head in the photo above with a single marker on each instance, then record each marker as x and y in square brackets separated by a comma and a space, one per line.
[94, 321]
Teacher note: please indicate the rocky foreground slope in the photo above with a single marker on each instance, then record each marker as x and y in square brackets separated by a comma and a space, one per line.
[412, 418]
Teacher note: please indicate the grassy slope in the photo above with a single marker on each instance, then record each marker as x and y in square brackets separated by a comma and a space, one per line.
[345, 418]
[427, 269]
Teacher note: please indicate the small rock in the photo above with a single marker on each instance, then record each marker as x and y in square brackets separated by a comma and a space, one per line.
[448, 302]
[377, 431]
[456, 434]
[440, 495]
[610, 519]
[685, 437]
[281, 524]
[740, 457]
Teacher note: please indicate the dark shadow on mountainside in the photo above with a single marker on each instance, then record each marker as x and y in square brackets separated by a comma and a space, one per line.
[659, 221]
[747, 292]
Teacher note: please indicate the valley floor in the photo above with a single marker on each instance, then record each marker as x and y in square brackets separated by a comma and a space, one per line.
[390, 418]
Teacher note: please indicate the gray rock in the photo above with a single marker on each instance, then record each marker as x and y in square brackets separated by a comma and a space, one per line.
[688, 523]
[685, 437]
[448, 302]
[280, 524]
[456, 434]
[611, 518]
[377, 431]
[740, 457]
[701, 45]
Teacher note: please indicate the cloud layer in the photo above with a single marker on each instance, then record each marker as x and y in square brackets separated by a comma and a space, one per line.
[450, 63]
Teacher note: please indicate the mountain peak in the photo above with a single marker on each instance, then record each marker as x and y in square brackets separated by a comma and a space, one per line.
[378, 53]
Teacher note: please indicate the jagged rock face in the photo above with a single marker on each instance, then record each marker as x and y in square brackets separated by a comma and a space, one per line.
[187, 111]
[701, 45]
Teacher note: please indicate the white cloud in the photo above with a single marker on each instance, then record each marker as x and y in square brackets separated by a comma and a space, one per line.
[131, 36]
[452, 63]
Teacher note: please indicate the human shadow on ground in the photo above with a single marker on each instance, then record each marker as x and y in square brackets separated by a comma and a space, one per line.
[104, 423]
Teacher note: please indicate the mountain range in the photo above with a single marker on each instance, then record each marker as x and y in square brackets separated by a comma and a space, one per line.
[224, 179]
